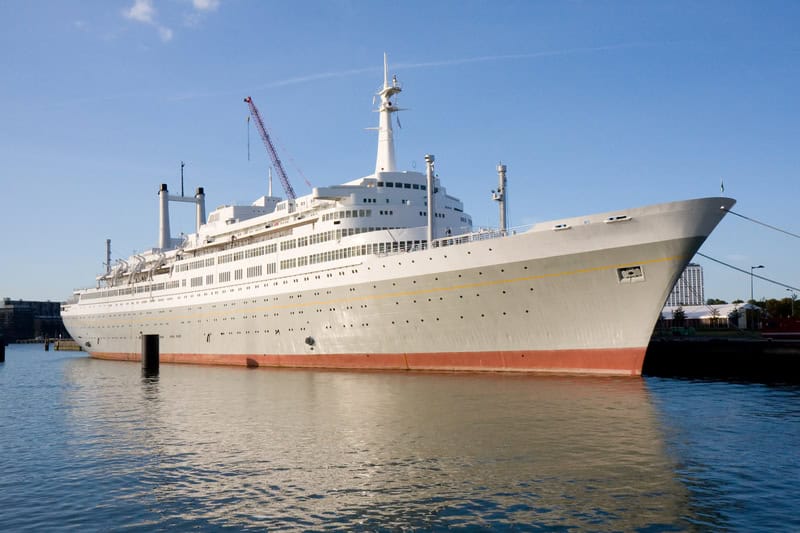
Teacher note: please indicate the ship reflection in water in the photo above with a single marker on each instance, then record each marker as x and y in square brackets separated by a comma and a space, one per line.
[221, 447]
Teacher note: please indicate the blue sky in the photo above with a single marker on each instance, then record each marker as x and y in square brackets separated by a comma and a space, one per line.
[592, 105]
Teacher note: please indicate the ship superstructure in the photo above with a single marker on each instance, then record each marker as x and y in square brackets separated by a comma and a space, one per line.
[386, 271]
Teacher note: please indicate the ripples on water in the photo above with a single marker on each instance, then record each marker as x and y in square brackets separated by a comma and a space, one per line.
[89, 444]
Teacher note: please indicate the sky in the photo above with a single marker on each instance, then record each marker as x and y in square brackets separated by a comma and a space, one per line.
[592, 105]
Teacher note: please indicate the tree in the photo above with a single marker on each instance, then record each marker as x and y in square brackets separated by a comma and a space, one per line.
[678, 315]
[714, 317]
[733, 317]
[715, 301]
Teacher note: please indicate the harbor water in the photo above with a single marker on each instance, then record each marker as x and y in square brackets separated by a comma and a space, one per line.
[94, 446]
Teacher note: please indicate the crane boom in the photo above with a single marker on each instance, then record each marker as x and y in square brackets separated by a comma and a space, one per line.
[276, 161]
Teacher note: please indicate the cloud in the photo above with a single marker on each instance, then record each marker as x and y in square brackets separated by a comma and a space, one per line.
[141, 11]
[205, 5]
[200, 9]
[165, 33]
[144, 12]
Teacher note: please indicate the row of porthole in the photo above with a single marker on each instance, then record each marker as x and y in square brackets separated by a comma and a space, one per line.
[239, 289]
[327, 326]
[333, 309]
[341, 273]
[483, 315]
[353, 289]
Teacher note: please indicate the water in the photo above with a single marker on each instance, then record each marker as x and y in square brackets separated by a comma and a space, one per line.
[92, 445]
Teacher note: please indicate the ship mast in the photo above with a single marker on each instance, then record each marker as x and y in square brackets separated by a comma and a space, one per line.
[385, 161]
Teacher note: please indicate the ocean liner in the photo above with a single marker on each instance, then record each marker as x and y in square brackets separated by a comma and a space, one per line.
[387, 272]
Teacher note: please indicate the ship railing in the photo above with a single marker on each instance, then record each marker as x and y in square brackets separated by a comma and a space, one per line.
[480, 235]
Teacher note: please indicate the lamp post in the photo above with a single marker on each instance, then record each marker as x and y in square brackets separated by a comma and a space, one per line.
[751, 280]
[793, 297]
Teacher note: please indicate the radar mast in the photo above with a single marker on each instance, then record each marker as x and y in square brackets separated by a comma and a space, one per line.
[385, 161]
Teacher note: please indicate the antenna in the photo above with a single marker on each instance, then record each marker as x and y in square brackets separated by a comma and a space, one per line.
[500, 195]
[385, 71]
[182, 165]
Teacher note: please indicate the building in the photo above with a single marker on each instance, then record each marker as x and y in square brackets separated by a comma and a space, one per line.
[738, 316]
[23, 320]
[689, 288]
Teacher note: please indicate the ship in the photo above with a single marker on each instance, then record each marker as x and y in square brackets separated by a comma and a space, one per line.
[387, 271]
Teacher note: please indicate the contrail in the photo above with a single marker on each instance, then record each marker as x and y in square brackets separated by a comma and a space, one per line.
[531, 55]
[316, 77]
[452, 62]
[298, 80]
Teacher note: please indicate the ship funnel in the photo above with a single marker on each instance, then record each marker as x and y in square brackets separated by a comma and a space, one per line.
[429, 159]
[164, 241]
[200, 200]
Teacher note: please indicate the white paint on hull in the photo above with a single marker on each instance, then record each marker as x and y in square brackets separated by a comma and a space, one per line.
[538, 290]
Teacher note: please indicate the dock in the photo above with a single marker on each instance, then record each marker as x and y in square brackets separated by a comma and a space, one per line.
[66, 345]
[751, 359]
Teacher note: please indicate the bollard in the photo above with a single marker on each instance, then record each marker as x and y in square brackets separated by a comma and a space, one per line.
[150, 355]
[2, 349]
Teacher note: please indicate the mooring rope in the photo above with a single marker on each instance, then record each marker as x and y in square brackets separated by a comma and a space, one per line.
[795, 235]
[749, 273]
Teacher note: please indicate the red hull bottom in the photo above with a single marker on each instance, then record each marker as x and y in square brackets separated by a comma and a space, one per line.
[623, 362]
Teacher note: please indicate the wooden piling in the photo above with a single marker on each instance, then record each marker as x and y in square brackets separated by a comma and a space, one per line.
[150, 357]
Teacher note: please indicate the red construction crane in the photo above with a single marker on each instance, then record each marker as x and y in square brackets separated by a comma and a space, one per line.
[287, 187]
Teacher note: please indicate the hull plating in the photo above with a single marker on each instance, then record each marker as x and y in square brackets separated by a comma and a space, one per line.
[582, 300]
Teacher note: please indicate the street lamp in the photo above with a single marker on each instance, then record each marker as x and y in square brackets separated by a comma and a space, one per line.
[793, 297]
[751, 280]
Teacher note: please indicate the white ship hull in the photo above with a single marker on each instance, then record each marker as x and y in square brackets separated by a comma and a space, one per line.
[576, 295]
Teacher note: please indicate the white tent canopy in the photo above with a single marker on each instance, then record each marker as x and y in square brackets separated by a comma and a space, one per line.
[705, 312]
